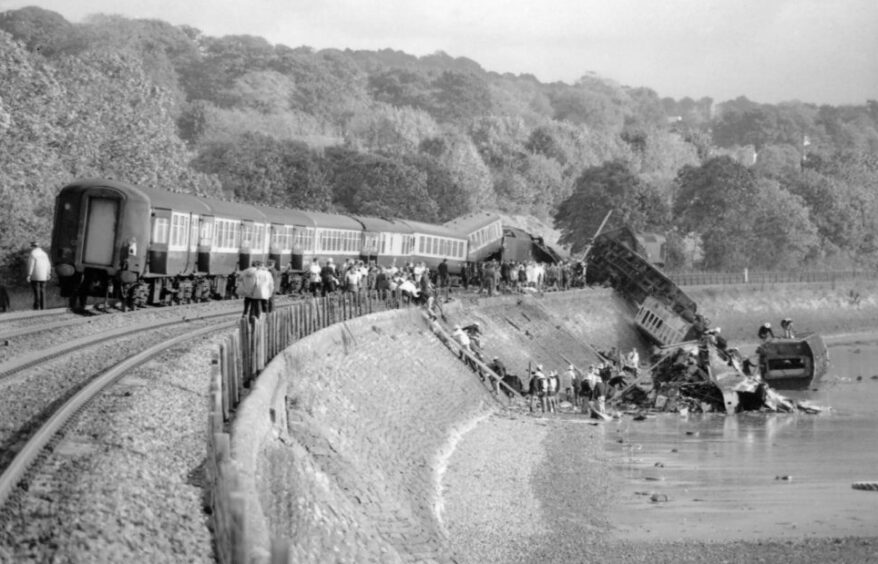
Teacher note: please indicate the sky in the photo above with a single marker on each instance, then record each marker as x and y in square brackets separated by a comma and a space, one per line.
[817, 51]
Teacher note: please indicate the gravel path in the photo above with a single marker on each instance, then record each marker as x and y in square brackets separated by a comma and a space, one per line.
[523, 489]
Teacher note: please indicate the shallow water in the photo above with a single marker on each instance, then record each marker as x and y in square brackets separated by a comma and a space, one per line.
[753, 475]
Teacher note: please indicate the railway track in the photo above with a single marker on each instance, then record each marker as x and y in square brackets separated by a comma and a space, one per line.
[31, 314]
[14, 366]
[54, 424]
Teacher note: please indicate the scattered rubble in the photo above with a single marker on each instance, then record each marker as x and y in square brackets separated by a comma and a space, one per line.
[699, 378]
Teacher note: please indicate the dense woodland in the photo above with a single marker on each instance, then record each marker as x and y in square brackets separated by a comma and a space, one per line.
[734, 184]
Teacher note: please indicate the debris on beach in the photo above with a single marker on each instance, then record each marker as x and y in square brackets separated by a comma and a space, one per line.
[699, 378]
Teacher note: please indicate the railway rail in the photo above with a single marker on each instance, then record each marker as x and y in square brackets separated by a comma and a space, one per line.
[54, 425]
[13, 367]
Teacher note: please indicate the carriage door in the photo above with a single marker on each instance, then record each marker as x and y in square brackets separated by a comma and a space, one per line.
[100, 231]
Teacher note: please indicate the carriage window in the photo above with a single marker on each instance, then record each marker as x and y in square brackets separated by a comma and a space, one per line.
[206, 238]
[193, 231]
[246, 235]
[259, 237]
[179, 230]
[160, 230]
[233, 235]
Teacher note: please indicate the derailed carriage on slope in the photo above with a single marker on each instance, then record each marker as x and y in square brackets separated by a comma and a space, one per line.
[627, 261]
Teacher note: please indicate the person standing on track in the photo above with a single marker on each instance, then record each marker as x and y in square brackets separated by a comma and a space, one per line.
[263, 289]
[38, 271]
[246, 287]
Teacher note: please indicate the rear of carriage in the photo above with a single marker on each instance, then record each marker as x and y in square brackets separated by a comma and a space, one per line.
[99, 237]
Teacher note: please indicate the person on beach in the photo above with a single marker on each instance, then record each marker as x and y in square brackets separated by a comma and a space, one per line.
[599, 395]
[787, 325]
[571, 385]
[765, 333]
[588, 386]
[540, 388]
[552, 391]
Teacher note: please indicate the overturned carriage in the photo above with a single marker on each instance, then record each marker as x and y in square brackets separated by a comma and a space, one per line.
[621, 259]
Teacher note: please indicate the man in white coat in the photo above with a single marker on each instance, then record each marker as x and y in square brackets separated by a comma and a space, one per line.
[38, 271]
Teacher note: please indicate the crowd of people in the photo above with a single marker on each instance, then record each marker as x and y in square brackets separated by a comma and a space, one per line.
[324, 276]
[586, 390]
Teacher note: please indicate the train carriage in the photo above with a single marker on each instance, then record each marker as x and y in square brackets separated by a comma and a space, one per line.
[431, 244]
[384, 240]
[174, 246]
[101, 227]
[484, 232]
[290, 231]
[338, 237]
[237, 236]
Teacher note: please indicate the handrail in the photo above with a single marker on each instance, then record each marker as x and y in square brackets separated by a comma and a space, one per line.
[446, 339]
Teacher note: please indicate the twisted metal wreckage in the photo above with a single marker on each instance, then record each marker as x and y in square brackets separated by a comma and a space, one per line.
[693, 368]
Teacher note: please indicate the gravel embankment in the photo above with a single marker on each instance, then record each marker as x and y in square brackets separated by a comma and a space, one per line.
[26, 402]
[125, 482]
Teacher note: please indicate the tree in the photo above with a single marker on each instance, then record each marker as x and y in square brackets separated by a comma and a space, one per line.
[451, 198]
[716, 202]
[609, 187]
[263, 170]
[460, 96]
[783, 235]
[381, 186]
[842, 212]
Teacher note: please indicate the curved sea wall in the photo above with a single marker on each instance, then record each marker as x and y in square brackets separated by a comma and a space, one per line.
[342, 440]
[344, 435]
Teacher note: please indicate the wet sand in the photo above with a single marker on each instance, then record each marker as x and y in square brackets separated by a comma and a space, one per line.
[511, 499]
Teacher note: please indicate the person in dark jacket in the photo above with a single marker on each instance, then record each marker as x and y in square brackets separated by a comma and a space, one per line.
[765, 333]
[443, 279]
[327, 278]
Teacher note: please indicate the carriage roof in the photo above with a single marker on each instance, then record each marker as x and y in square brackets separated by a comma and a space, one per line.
[333, 220]
[382, 225]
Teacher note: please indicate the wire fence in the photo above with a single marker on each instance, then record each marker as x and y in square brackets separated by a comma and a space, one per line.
[769, 277]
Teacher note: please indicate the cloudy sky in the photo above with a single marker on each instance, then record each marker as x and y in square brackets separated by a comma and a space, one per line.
[820, 51]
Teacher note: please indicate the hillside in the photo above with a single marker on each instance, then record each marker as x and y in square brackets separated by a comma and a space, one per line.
[427, 138]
